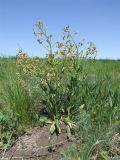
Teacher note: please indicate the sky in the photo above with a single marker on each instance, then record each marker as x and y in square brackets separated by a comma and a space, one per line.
[97, 21]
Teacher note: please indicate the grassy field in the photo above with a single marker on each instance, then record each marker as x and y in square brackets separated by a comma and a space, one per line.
[87, 101]
[68, 96]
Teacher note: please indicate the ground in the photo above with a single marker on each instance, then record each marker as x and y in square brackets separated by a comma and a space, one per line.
[39, 144]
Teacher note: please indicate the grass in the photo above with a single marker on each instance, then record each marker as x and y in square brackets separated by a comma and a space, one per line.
[65, 87]
[99, 120]
[96, 122]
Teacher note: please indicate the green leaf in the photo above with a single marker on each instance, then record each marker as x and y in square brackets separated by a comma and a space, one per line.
[52, 128]
[68, 132]
[104, 155]
[81, 107]
[67, 121]
[1, 144]
[43, 119]
[57, 126]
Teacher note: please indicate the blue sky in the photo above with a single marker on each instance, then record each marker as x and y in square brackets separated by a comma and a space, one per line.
[95, 20]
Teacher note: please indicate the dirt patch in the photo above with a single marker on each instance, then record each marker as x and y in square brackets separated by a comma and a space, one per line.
[115, 146]
[39, 144]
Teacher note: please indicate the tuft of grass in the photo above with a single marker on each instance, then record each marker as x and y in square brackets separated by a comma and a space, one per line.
[15, 104]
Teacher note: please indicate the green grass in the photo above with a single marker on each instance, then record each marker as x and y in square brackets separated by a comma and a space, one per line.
[96, 122]
[15, 104]
[99, 120]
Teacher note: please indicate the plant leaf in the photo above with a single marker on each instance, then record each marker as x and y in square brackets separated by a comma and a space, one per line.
[57, 126]
[104, 154]
[52, 128]
[68, 131]
[67, 121]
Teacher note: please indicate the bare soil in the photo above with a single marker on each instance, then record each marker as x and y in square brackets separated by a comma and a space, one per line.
[39, 145]
[36, 145]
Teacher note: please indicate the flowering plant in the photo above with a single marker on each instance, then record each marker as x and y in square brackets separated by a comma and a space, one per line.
[59, 76]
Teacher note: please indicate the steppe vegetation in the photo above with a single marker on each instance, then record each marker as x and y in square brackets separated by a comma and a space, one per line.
[69, 86]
